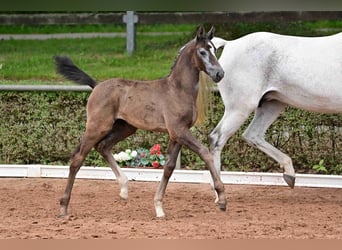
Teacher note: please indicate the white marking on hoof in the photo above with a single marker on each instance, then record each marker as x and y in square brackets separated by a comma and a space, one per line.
[159, 209]
[123, 188]
[124, 192]
[124, 195]
[216, 199]
[63, 213]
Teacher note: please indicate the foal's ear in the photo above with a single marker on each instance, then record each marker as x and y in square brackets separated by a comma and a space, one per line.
[200, 33]
[211, 32]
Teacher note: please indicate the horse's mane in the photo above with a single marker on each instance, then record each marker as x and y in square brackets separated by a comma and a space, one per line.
[178, 55]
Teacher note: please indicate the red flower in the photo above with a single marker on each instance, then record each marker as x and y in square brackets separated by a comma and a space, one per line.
[155, 149]
[155, 164]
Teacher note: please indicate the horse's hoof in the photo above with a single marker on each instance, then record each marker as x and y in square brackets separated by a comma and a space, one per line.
[160, 216]
[123, 199]
[222, 207]
[63, 216]
[124, 194]
[290, 180]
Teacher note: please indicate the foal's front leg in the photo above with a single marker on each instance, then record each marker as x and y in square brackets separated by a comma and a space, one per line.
[186, 138]
[172, 153]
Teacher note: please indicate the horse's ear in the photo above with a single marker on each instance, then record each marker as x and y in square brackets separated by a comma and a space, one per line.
[211, 33]
[200, 33]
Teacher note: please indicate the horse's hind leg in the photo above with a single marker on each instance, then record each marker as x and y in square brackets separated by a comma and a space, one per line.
[264, 116]
[87, 143]
[94, 133]
[172, 153]
[120, 131]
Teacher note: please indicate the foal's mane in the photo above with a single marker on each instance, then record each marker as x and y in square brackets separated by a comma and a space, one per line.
[178, 55]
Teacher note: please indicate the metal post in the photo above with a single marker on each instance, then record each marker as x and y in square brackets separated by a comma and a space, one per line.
[130, 19]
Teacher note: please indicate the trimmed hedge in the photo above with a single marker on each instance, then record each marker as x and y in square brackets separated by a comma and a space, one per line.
[45, 127]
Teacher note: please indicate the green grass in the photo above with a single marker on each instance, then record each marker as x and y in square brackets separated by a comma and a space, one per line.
[30, 62]
[102, 58]
[332, 24]
[51, 29]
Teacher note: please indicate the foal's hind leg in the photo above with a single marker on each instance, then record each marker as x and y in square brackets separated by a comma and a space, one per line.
[264, 116]
[90, 138]
[172, 153]
[120, 131]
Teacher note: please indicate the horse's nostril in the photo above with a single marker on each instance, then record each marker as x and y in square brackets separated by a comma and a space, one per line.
[219, 75]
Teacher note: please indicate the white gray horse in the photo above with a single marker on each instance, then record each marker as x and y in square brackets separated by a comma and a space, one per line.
[265, 72]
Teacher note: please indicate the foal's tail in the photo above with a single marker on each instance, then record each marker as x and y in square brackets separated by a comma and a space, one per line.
[70, 71]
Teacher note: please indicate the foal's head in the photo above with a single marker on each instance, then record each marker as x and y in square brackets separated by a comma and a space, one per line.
[205, 60]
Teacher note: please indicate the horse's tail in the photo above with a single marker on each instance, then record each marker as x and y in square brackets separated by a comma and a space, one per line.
[218, 42]
[70, 71]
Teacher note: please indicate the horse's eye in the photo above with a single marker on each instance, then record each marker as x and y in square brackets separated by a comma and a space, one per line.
[203, 53]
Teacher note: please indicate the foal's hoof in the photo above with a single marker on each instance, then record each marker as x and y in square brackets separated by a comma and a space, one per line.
[222, 207]
[124, 193]
[290, 180]
[63, 216]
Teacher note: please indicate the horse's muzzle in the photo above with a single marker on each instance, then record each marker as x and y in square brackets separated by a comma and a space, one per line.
[219, 75]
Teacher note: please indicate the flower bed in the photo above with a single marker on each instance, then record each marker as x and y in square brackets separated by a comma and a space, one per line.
[141, 157]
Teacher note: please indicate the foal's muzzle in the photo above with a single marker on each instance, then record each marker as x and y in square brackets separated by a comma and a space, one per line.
[218, 76]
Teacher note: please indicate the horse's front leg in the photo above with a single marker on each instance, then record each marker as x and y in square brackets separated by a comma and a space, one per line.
[229, 124]
[185, 138]
[172, 153]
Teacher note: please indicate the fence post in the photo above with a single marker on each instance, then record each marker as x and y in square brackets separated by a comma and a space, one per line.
[130, 19]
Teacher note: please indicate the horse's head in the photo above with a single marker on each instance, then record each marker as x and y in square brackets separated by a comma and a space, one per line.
[205, 59]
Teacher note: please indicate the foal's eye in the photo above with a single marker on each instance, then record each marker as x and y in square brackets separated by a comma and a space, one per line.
[203, 53]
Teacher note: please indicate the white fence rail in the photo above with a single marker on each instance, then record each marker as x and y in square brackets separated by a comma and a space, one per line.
[184, 176]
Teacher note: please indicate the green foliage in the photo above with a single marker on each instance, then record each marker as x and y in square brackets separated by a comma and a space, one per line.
[320, 168]
[45, 128]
